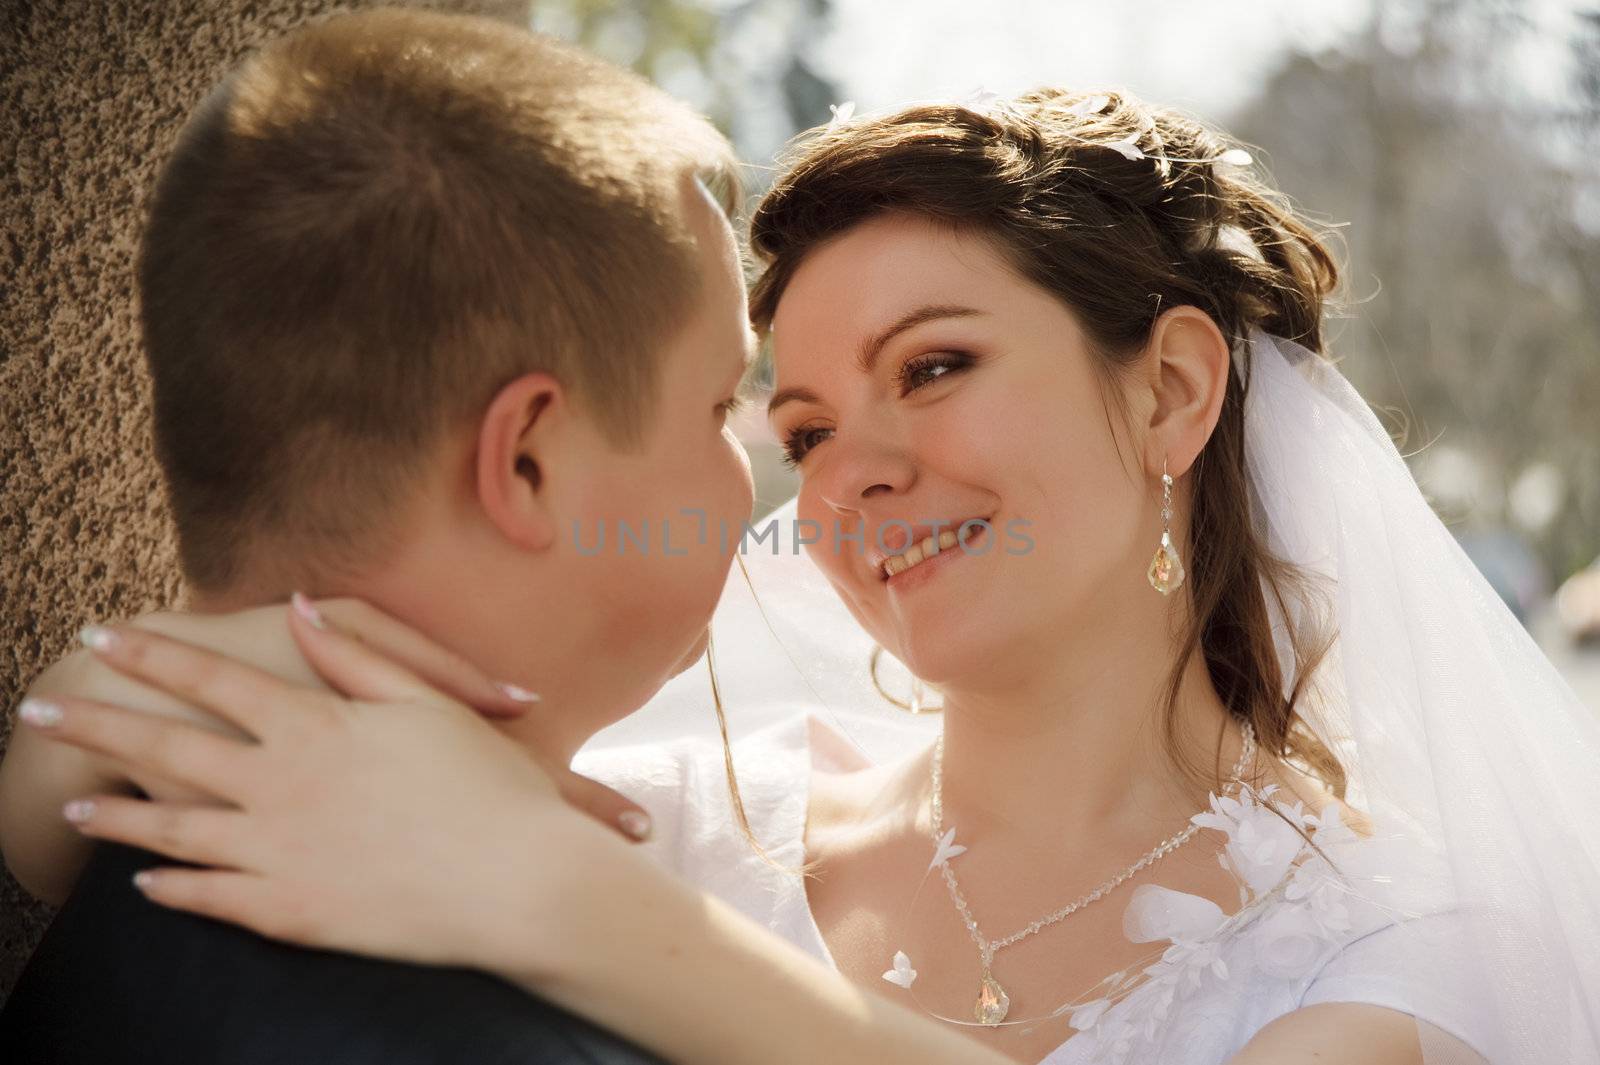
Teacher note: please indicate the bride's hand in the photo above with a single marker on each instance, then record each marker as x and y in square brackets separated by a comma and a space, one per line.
[453, 675]
[389, 822]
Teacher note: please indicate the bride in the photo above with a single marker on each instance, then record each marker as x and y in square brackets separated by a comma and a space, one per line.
[1238, 760]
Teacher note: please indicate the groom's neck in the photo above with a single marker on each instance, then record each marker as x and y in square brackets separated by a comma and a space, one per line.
[466, 622]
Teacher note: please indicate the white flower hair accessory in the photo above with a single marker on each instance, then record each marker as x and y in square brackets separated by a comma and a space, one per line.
[1089, 105]
[989, 103]
[985, 101]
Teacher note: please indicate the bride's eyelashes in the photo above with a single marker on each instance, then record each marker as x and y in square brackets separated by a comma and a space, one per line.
[922, 370]
[797, 443]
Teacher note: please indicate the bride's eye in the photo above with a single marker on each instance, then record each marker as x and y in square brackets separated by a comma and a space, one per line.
[925, 369]
[798, 442]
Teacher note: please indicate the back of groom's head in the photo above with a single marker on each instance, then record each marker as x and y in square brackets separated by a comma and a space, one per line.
[369, 228]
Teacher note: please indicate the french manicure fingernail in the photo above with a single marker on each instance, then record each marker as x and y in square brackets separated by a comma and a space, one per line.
[634, 824]
[518, 694]
[308, 610]
[143, 879]
[38, 712]
[78, 810]
[97, 637]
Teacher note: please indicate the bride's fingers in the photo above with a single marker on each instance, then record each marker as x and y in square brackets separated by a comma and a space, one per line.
[175, 750]
[603, 804]
[350, 666]
[236, 692]
[243, 899]
[205, 835]
[444, 669]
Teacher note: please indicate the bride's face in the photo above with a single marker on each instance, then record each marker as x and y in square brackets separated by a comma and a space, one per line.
[921, 380]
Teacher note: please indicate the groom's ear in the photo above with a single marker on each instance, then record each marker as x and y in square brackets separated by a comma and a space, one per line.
[518, 439]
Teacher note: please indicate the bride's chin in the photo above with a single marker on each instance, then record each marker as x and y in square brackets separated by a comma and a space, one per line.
[948, 663]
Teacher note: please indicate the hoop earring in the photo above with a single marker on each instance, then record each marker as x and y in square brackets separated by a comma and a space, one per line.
[1166, 569]
[918, 690]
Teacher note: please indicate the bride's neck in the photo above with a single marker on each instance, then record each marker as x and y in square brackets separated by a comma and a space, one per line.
[1083, 750]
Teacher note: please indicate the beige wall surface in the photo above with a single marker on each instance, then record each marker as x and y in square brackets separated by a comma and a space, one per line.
[92, 94]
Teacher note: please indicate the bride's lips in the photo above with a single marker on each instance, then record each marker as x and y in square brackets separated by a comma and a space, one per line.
[934, 564]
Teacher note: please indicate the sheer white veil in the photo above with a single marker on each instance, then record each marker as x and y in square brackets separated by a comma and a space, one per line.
[1445, 713]
[1459, 737]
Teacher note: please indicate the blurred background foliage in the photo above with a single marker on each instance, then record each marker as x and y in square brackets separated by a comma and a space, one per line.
[749, 64]
[1450, 144]
[1473, 237]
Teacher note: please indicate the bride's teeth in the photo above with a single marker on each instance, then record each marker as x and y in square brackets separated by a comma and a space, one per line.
[921, 552]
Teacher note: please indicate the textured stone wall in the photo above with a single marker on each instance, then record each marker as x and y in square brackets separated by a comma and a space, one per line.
[92, 94]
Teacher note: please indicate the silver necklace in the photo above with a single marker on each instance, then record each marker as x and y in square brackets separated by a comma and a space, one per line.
[993, 1003]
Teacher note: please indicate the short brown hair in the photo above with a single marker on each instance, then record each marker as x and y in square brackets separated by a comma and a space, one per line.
[1118, 236]
[365, 231]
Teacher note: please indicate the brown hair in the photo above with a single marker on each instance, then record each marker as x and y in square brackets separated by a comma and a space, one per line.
[1118, 235]
[363, 233]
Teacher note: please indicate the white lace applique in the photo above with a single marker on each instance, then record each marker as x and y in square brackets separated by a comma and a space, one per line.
[1292, 909]
[902, 975]
[948, 848]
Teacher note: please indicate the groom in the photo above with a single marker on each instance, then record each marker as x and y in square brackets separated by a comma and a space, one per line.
[423, 296]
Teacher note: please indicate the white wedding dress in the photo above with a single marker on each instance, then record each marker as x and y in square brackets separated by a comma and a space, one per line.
[1303, 934]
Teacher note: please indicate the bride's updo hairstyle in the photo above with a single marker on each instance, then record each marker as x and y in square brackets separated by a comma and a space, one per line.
[1122, 211]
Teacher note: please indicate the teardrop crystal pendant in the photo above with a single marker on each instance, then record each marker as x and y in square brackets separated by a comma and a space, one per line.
[993, 1002]
[1166, 569]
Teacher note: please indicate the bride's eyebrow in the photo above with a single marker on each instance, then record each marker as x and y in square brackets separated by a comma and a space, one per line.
[787, 395]
[868, 356]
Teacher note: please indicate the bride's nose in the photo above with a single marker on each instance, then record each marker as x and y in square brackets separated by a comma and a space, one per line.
[862, 465]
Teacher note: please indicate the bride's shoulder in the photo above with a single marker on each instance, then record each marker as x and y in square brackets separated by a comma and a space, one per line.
[643, 768]
[698, 771]
[695, 790]
[625, 744]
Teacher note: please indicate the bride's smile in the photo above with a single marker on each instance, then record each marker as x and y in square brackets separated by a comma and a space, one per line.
[926, 550]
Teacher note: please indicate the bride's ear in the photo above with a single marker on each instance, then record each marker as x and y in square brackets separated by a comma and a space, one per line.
[516, 444]
[1189, 366]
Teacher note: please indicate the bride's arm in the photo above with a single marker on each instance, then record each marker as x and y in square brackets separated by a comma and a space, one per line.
[1349, 1033]
[685, 974]
[398, 824]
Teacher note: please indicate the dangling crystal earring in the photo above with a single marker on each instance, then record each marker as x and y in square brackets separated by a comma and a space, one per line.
[1166, 569]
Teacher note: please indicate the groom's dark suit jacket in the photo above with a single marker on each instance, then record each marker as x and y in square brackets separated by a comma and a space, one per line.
[119, 980]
